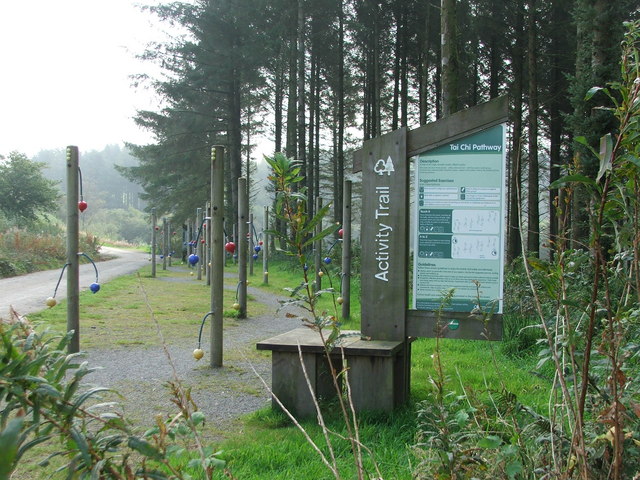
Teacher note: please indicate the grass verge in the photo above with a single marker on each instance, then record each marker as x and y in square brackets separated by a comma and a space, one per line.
[266, 444]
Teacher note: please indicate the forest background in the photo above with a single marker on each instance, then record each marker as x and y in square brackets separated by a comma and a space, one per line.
[316, 78]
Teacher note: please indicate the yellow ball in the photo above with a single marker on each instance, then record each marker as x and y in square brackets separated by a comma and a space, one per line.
[198, 353]
[236, 306]
[51, 302]
[321, 274]
[191, 273]
[340, 300]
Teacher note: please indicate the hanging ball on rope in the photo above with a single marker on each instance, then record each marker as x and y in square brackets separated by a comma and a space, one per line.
[198, 353]
[230, 247]
[51, 302]
[305, 267]
[94, 287]
[327, 260]
[257, 248]
[82, 205]
[340, 233]
[339, 300]
[236, 306]
[193, 259]
[260, 243]
[255, 256]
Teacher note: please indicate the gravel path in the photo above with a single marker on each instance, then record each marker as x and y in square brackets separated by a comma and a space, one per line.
[222, 394]
[27, 293]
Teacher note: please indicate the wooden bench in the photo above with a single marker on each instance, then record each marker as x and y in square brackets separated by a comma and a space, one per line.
[383, 363]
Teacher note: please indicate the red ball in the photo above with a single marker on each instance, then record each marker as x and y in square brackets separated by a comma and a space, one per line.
[82, 205]
[230, 247]
[340, 233]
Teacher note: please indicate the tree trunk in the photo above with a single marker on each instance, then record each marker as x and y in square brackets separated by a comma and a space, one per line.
[449, 57]
[340, 133]
[302, 133]
[533, 190]
[396, 66]
[404, 74]
[560, 17]
[514, 245]
[314, 104]
[234, 134]
[278, 98]
[292, 112]
[377, 81]
[424, 65]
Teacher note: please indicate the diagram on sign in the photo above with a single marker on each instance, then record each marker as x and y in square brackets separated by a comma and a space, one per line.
[475, 221]
[474, 246]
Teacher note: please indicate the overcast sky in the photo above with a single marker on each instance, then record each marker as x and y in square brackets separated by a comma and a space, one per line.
[64, 73]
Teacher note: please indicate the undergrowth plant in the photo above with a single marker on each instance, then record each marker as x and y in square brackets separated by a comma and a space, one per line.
[591, 338]
[296, 241]
[44, 400]
[587, 308]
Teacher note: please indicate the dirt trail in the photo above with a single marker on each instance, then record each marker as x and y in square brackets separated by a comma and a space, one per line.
[222, 394]
[27, 293]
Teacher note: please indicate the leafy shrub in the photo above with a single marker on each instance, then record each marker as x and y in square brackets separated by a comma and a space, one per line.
[23, 251]
[43, 400]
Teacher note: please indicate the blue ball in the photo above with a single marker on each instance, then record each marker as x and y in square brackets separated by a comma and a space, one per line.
[327, 260]
[193, 259]
[255, 256]
[305, 267]
[94, 287]
[257, 248]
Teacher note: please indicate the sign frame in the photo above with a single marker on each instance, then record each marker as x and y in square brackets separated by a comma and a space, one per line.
[385, 312]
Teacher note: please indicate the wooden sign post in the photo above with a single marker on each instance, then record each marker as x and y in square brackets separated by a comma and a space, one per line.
[379, 361]
[154, 241]
[216, 231]
[73, 264]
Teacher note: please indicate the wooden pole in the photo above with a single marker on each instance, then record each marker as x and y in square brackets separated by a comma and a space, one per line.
[73, 267]
[198, 266]
[235, 240]
[207, 243]
[265, 248]
[243, 217]
[164, 243]
[317, 247]
[154, 241]
[251, 244]
[217, 250]
[345, 287]
[169, 242]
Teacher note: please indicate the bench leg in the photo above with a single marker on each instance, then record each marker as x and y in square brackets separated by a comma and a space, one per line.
[290, 386]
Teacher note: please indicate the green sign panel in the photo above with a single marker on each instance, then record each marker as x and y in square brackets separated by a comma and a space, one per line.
[460, 214]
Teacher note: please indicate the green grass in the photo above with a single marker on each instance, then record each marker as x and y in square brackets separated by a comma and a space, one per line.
[118, 314]
[271, 448]
[266, 444]
[283, 274]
